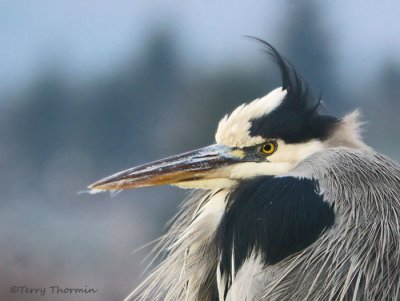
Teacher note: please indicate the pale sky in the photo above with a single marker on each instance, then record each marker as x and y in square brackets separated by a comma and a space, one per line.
[89, 37]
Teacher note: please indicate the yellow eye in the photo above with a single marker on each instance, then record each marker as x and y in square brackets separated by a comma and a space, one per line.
[268, 148]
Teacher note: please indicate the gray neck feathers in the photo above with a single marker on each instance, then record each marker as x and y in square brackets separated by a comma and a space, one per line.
[187, 253]
[359, 258]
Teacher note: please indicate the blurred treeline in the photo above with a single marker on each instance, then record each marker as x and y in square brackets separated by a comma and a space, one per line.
[60, 134]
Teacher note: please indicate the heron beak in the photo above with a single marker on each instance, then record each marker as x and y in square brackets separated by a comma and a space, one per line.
[205, 163]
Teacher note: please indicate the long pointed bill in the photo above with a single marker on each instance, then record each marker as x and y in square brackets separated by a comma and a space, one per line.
[205, 163]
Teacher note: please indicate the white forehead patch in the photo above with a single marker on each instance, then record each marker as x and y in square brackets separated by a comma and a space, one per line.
[233, 130]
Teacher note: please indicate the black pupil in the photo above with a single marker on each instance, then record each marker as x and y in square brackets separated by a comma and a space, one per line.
[268, 147]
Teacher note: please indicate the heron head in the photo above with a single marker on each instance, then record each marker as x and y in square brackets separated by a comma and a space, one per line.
[268, 136]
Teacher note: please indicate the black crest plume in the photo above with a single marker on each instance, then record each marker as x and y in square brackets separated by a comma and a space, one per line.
[297, 119]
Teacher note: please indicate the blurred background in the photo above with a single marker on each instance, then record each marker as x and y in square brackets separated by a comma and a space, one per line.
[88, 88]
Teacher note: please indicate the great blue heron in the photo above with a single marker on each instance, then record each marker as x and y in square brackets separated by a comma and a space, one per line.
[294, 206]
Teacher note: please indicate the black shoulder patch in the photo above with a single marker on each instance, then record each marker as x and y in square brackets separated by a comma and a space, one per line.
[274, 217]
[296, 119]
